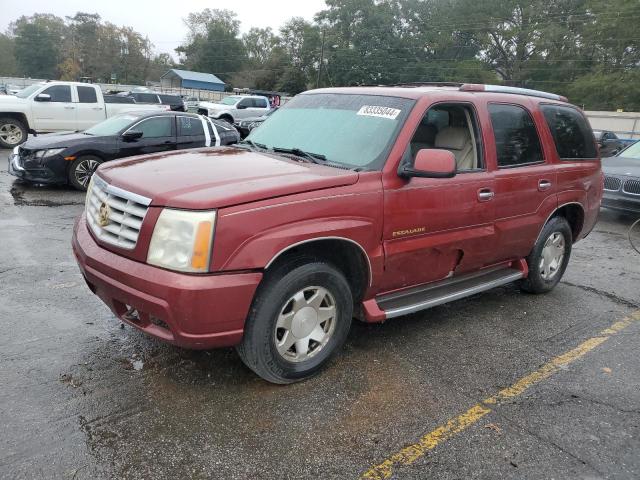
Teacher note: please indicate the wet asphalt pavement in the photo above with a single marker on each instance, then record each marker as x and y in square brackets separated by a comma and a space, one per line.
[83, 398]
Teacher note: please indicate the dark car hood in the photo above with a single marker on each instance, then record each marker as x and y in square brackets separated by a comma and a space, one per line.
[255, 119]
[219, 177]
[58, 140]
[621, 166]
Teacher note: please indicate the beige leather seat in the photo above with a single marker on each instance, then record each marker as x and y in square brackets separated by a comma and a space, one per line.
[458, 141]
[424, 137]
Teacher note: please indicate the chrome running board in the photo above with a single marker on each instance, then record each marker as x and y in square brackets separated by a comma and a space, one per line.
[445, 291]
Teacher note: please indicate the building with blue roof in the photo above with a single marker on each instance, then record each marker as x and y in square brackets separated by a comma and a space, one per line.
[175, 78]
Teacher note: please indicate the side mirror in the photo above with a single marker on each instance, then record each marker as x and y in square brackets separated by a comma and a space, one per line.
[430, 163]
[43, 97]
[241, 107]
[131, 135]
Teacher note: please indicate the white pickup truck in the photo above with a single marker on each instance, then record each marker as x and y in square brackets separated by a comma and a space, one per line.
[235, 107]
[54, 107]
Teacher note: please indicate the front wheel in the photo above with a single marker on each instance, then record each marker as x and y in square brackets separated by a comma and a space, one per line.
[82, 169]
[300, 317]
[549, 257]
[12, 133]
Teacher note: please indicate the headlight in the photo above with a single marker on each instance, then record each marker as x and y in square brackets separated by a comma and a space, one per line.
[88, 196]
[48, 153]
[182, 239]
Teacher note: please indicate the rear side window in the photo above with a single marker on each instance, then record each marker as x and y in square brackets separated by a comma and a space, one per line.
[59, 93]
[571, 132]
[155, 127]
[170, 99]
[145, 97]
[87, 95]
[189, 126]
[260, 102]
[517, 141]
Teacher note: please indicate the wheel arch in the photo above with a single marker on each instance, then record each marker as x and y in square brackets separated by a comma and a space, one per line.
[574, 213]
[345, 254]
[20, 116]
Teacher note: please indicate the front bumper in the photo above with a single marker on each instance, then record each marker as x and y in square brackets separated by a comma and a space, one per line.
[35, 175]
[621, 202]
[192, 311]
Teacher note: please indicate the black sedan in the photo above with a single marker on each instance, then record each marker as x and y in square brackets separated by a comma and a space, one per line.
[72, 157]
[622, 180]
[245, 125]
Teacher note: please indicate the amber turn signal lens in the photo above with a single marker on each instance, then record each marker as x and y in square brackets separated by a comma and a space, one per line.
[201, 246]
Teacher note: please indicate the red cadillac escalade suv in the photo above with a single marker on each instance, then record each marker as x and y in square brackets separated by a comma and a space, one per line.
[367, 202]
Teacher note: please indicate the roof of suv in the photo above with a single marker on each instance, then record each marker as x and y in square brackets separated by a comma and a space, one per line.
[418, 90]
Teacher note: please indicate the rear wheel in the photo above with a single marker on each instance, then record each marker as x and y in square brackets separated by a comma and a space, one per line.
[549, 257]
[82, 169]
[300, 317]
[12, 132]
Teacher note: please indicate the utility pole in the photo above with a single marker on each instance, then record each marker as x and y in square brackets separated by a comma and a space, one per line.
[321, 60]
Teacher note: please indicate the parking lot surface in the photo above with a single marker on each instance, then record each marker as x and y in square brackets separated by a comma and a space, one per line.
[499, 385]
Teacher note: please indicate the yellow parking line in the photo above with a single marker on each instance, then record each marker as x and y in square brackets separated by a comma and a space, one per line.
[431, 440]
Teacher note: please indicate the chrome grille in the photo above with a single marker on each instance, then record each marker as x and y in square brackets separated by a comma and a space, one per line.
[632, 187]
[126, 212]
[612, 183]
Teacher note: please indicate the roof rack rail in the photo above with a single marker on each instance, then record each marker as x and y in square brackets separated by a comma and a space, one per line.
[426, 84]
[475, 87]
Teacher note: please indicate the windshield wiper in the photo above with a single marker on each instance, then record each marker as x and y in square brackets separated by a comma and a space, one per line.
[314, 157]
[253, 144]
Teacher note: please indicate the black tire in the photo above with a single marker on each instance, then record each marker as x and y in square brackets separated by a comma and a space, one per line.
[226, 118]
[81, 170]
[258, 349]
[13, 132]
[539, 281]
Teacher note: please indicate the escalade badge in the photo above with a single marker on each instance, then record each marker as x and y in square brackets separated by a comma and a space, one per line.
[103, 215]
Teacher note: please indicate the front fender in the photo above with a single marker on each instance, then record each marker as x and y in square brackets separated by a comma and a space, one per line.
[261, 250]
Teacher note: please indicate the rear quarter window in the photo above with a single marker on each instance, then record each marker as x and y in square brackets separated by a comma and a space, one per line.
[572, 134]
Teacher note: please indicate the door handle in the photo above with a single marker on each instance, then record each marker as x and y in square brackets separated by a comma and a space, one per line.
[485, 194]
[69, 108]
[544, 185]
[97, 108]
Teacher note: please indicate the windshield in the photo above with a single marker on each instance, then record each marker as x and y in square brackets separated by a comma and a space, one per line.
[350, 129]
[229, 100]
[113, 125]
[28, 91]
[632, 152]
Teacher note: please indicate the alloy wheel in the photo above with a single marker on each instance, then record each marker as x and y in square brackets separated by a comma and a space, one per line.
[552, 256]
[84, 170]
[11, 134]
[305, 324]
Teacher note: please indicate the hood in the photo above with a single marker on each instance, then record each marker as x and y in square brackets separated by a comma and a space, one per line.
[215, 106]
[209, 178]
[7, 99]
[58, 140]
[621, 166]
[261, 118]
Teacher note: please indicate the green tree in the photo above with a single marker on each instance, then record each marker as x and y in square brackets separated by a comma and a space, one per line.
[37, 41]
[8, 65]
[213, 43]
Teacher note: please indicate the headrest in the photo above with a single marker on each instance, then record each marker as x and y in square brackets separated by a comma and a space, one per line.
[426, 133]
[454, 138]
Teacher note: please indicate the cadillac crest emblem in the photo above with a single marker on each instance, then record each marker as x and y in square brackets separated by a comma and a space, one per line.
[103, 215]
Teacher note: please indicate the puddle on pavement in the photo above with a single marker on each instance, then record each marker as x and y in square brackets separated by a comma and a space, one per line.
[151, 409]
[44, 195]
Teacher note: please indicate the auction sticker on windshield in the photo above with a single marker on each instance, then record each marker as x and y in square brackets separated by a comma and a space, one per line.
[383, 112]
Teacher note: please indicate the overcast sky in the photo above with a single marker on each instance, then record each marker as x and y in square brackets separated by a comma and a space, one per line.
[162, 21]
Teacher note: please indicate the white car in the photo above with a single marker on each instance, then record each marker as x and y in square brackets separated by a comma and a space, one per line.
[55, 107]
[192, 102]
[236, 107]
